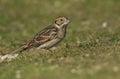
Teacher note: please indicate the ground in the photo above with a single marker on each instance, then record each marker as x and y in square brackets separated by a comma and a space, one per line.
[90, 50]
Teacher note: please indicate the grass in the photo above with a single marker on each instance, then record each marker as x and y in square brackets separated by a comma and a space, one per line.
[91, 49]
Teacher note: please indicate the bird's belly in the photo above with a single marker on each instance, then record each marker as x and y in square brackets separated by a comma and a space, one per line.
[49, 44]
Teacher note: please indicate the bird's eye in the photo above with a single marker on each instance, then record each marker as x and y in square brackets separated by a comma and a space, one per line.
[61, 19]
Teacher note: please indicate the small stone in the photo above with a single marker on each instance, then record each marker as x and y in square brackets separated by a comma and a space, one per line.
[104, 25]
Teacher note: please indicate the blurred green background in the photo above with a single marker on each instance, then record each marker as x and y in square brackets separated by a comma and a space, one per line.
[91, 49]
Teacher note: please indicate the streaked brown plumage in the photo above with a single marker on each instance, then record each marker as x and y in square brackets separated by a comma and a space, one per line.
[45, 39]
[49, 36]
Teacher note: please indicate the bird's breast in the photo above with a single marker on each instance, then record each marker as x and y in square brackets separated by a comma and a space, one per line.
[61, 33]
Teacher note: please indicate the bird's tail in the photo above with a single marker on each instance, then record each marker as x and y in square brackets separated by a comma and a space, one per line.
[19, 50]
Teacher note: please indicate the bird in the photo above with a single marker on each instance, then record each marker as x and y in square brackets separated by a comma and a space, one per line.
[44, 39]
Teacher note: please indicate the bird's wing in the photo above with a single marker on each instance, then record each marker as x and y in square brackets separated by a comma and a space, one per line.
[42, 37]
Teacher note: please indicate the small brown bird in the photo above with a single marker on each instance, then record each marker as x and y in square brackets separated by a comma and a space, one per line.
[45, 39]
[48, 37]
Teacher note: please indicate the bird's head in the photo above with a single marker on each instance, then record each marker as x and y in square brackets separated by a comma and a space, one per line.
[61, 22]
